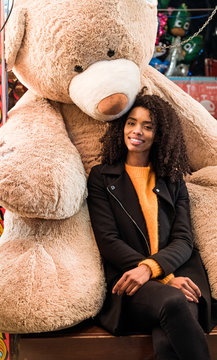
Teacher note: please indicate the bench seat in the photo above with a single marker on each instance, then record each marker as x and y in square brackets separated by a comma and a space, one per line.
[87, 341]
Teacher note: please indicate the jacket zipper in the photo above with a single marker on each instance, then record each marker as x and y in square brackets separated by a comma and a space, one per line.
[131, 219]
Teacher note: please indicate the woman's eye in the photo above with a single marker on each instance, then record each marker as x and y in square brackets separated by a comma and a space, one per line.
[130, 123]
[148, 127]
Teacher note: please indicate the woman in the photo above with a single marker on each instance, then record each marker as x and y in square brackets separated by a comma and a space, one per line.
[139, 210]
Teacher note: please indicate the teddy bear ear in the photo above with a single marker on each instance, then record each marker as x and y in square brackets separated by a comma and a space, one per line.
[14, 32]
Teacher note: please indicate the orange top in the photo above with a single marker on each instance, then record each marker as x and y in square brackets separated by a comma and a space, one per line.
[143, 179]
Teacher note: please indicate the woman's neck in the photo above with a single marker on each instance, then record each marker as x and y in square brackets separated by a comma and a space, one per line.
[137, 159]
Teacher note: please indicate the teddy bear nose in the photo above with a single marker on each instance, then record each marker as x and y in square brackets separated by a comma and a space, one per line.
[113, 104]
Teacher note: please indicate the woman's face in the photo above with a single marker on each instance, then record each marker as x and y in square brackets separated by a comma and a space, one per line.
[139, 132]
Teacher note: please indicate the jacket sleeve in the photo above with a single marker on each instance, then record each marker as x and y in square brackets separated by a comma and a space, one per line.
[180, 244]
[112, 248]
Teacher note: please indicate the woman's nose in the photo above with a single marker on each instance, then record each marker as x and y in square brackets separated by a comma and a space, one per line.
[137, 130]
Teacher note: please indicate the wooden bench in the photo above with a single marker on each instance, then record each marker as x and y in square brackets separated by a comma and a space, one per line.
[87, 341]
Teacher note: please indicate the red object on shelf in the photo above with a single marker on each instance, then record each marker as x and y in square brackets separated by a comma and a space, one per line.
[211, 67]
[202, 89]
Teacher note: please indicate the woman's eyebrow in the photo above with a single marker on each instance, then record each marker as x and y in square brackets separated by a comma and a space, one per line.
[144, 122]
[130, 117]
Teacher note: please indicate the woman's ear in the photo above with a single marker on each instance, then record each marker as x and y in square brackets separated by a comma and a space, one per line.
[14, 32]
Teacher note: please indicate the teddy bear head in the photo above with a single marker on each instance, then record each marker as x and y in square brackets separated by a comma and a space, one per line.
[82, 51]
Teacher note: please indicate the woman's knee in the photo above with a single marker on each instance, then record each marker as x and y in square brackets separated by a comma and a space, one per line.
[174, 303]
[151, 303]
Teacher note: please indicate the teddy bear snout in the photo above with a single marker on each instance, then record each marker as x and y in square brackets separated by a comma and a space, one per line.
[113, 104]
[106, 89]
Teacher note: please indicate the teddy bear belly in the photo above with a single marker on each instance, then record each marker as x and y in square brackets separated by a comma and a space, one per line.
[55, 274]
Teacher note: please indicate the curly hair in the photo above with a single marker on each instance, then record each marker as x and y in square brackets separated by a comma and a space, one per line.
[168, 154]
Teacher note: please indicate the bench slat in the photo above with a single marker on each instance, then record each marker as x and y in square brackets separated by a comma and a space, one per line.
[89, 342]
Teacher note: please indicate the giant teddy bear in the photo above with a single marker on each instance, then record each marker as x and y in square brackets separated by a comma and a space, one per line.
[83, 62]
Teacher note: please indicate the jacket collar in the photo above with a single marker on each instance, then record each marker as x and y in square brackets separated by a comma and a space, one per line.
[115, 169]
[160, 189]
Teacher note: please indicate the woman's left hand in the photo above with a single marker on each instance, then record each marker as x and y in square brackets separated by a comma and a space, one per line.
[132, 280]
[187, 286]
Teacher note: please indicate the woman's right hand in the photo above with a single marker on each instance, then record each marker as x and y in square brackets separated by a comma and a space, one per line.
[132, 280]
[187, 286]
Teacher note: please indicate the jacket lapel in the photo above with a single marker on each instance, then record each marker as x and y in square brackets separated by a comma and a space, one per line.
[161, 190]
[123, 190]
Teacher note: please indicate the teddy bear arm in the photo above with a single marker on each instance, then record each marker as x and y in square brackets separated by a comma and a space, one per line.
[41, 173]
[199, 127]
[202, 188]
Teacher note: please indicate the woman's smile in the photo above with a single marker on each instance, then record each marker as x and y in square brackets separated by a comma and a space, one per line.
[135, 141]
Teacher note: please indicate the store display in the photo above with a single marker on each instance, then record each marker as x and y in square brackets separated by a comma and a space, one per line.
[159, 65]
[4, 345]
[4, 10]
[179, 21]
[15, 90]
[190, 58]
[211, 67]
[162, 26]
[192, 48]
[163, 4]
[202, 89]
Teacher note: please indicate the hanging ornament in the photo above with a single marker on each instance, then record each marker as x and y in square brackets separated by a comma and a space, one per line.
[179, 21]
[163, 4]
[192, 49]
[175, 56]
[159, 65]
[162, 26]
[161, 51]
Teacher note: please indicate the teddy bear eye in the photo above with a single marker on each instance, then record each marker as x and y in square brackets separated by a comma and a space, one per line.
[78, 68]
[110, 53]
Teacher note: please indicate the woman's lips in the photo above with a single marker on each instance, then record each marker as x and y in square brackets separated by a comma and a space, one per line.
[135, 141]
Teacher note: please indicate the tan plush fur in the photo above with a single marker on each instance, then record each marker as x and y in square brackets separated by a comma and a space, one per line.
[53, 265]
[48, 258]
[203, 194]
[37, 157]
[54, 268]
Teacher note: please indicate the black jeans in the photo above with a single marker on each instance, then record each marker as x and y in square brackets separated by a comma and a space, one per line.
[173, 321]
